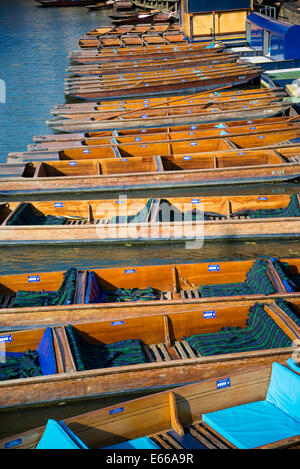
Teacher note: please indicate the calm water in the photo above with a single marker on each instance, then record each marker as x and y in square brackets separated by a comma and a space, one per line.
[35, 43]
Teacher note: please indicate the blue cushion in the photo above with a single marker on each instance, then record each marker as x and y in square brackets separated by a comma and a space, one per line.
[284, 390]
[138, 443]
[262, 422]
[46, 353]
[250, 425]
[58, 436]
[291, 364]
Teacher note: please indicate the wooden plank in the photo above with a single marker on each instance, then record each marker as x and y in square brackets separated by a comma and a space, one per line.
[176, 425]
[180, 349]
[213, 439]
[206, 442]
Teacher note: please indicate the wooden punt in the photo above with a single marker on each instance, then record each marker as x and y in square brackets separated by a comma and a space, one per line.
[165, 357]
[173, 83]
[115, 54]
[180, 287]
[241, 166]
[130, 104]
[170, 144]
[128, 66]
[151, 220]
[178, 115]
[158, 134]
[172, 419]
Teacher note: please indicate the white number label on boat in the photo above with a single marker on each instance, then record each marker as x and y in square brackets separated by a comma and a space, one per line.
[73, 163]
[123, 159]
[58, 204]
[86, 151]
[214, 268]
[223, 383]
[116, 411]
[209, 314]
[193, 127]
[5, 338]
[262, 198]
[187, 157]
[117, 323]
[33, 278]
[129, 271]
[195, 201]
[193, 144]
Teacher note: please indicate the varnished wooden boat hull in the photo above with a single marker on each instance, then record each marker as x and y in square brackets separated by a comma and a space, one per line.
[180, 410]
[176, 87]
[255, 173]
[179, 282]
[174, 367]
[173, 120]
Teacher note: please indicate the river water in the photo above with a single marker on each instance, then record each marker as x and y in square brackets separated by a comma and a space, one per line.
[34, 46]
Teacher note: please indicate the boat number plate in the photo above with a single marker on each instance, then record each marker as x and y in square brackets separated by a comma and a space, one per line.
[9, 444]
[116, 411]
[223, 383]
[117, 323]
[214, 268]
[129, 271]
[209, 314]
[33, 278]
[58, 204]
[5, 338]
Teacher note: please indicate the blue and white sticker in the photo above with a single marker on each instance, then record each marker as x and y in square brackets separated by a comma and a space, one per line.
[5, 338]
[33, 278]
[12, 443]
[194, 144]
[193, 127]
[137, 139]
[117, 323]
[144, 116]
[187, 157]
[116, 411]
[129, 271]
[58, 204]
[209, 314]
[195, 201]
[223, 383]
[120, 201]
[214, 268]
[262, 198]
[73, 163]
[87, 151]
[123, 159]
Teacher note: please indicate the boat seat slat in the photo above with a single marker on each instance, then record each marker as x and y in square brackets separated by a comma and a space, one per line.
[174, 444]
[205, 431]
[182, 294]
[202, 439]
[169, 295]
[164, 351]
[148, 353]
[6, 301]
[158, 440]
[189, 349]
[155, 350]
[196, 293]
[180, 349]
